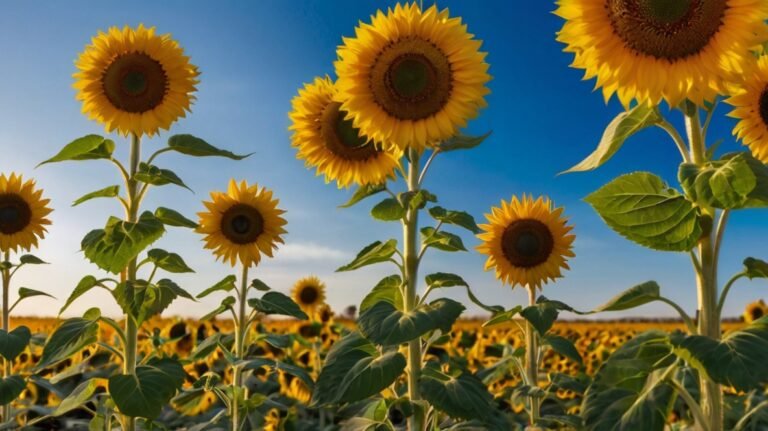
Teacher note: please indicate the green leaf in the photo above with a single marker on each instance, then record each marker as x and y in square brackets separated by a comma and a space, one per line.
[542, 316]
[10, 388]
[120, 241]
[88, 147]
[462, 142]
[562, 346]
[86, 283]
[226, 284]
[618, 131]
[370, 376]
[30, 259]
[225, 305]
[193, 146]
[14, 342]
[170, 217]
[374, 253]
[145, 393]
[443, 279]
[363, 192]
[388, 210]
[633, 297]
[106, 192]
[388, 290]
[416, 200]
[755, 268]
[277, 303]
[386, 325]
[458, 218]
[441, 240]
[69, 338]
[641, 208]
[79, 396]
[738, 360]
[25, 292]
[260, 285]
[142, 300]
[504, 316]
[463, 397]
[737, 180]
[155, 176]
[170, 262]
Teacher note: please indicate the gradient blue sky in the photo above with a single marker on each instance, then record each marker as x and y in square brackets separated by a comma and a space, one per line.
[253, 57]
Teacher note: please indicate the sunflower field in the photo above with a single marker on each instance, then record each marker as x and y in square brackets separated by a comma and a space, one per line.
[406, 84]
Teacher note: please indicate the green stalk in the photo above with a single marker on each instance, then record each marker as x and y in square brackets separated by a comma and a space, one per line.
[411, 261]
[241, 329]
[531, 358]
[7, 327]
[706, 283]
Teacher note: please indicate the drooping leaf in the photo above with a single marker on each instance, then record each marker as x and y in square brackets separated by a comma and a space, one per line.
[14, 342]
[440, 240]
[443, 279]
[193, 146]
[374, 253]
[170, 262]
[82, 394]
[106, 192]
[170, 217]
[464, 397]
[388, 289]
[755, 268]
[633, 297]
[641, 208]
[543, 314]
[10, 388]
[363, 192]
[386, 325]
[618, 131]
[388, 210]
[120, 241]
[155, 176]
[69, 338]
[462, 142]
[737, 180]
[89, 147]
[260, 285]
[226, 284]
[504, 316]
[143, 300]
[277, 303]
[145, 393]
[458, 218]
[562, 346]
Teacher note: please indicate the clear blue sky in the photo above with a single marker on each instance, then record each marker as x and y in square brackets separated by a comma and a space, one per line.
[253, 57]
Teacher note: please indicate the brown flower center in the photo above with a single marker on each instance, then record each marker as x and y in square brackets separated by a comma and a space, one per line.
[342, 138]
[764, 106]
[411, 79]
[15, 213]
[666, 29]
[756, 313]
[527, 243]
[135, 82]
[309, 294]
[242, 224]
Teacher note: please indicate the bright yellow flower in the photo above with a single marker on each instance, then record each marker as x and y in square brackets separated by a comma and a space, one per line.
[527, 241]
[242, 223]
[755, 310]
[412, 77]
[750, 102]
[649, 50]
[23, 213]
[135, 81]
[325, 139]
[309, 293]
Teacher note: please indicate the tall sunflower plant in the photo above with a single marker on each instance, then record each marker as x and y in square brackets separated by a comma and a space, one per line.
[688, 56]
[135, 82]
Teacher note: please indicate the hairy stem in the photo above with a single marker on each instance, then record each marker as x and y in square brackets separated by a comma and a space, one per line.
[241, 328]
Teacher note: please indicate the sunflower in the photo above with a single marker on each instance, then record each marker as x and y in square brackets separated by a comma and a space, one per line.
[649, 50]
[755, 311]
[527, 241]
[326, 140]
[242, 223]
[750, 101]
[309, 293]
[412, 77]
[135, 81]
[22, 213]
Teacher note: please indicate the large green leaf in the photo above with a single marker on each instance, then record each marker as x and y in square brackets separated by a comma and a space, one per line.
[441, 240]
[106, 192]
[458, 218]
[170, 262]
[618, 131]
[374, 253]
[226, 284]
[543, 314]
[193, 146]
[633, 297]
[171, 217]
[462, 142]
[463, 397]
[370, 376]
[157, 176]
[277, 303]
[14, 342]
[739, 360]
[143, 300]
[562, 346]
[79, 396]
[69, 338]
[120, 241]
[388, 210]
[643, 209]
[89, 147]
[737, 180]
[363, 192]
[145, 393]
[386, 325]
[388, 289]
[10, 388]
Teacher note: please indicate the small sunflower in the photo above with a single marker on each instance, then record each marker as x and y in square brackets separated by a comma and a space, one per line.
[309, 293]
[242, 223]
[750, 102]
[649, 50]
[527, 241]
[755, 311]
[23, 213]
[412, 77]
[327, 140]
[135, 81]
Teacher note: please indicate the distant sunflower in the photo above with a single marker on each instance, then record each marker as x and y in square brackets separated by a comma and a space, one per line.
[135, 81]
[309, 293]
[527, 241]
[755, 311]
[325, 139]
[411, 78]
[750, 102]
[651, 50]
[242, 223]
[23, 213]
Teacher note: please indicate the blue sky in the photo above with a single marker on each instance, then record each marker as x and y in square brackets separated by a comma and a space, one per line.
[253, 57]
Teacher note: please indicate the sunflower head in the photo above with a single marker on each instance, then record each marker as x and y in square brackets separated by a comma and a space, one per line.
[653, 50]
[309, 293]
[749, 98]
[242, 223]
[527, 241]
[755, 311]
[134, 81]
[327, 140]
[23, 213]
[412, 77]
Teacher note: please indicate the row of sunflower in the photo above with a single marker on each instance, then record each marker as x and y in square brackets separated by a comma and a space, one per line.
[406, 84]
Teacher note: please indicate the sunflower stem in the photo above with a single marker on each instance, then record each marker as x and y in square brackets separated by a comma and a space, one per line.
[6, 327]
[531, 358]
[241, 327]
